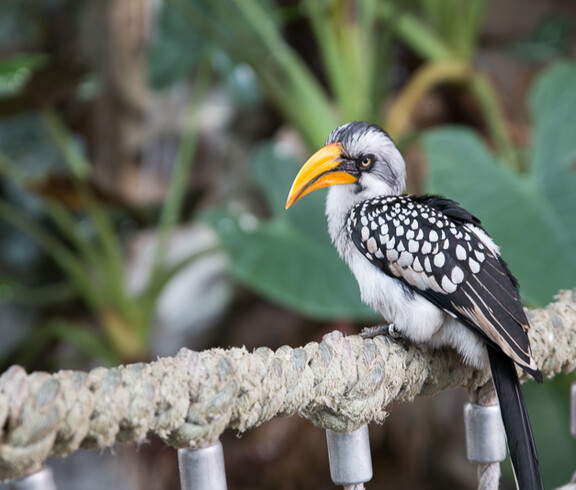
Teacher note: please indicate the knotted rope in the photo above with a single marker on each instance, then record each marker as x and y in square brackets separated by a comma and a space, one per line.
[189, 400]
[488, 473]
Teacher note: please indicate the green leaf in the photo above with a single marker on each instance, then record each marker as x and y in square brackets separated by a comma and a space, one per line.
[24, 139]
[174, 50]
[12, 291]
[531, 216]
[84, 339]
[549, 408]
[68, 146]
[553, 162]
[81, 336]
[274, 171]
[286, 266]
[16, 70]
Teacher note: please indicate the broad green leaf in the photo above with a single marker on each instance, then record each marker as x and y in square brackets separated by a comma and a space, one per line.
[531, 216]
[550, 414]
[553, 158]
[174, 50]
[283, 264]
[274, 171]
[24, 139]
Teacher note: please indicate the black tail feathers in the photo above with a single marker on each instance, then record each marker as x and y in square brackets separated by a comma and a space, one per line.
[516, 422]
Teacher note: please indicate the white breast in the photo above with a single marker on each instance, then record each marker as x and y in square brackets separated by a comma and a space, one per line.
[413, 316]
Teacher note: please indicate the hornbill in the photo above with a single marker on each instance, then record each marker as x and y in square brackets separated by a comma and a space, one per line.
[428, 267]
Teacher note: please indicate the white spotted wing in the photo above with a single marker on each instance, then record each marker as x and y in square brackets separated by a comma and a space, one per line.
[441, 251]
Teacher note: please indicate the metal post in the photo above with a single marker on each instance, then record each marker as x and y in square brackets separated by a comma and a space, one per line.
[573, 410]
[349, 455]
[485, 436]
[202, 469]
[41, 480]
[572, 484]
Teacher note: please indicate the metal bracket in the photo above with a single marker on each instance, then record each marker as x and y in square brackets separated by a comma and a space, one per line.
[43, 479]
[349, 455]
[485, 436]
[202, 469]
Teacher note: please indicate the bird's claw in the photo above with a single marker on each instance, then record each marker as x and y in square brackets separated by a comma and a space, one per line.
[388, 330]
[371, 332]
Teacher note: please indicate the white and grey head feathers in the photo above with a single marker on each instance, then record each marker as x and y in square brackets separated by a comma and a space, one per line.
[386, 174]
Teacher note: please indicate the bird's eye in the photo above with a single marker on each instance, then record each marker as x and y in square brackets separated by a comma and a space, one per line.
[366, 161]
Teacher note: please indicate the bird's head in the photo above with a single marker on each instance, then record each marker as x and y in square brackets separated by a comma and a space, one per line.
[358, 156]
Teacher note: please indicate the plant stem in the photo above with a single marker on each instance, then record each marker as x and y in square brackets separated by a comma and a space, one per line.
[453, 71]
[182, 168]
[109, 263]
[415, 33]
[176, 192]
[306, 104]
[250, 35]
[56, 250]
[69, 148]
[488, 103]
[15, 292]
[421, 82]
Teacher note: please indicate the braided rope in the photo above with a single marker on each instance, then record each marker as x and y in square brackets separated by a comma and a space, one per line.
[488, 476]
[189, 400]
[488, 473]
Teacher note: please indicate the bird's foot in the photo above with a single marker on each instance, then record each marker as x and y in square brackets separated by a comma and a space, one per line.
[388, 330]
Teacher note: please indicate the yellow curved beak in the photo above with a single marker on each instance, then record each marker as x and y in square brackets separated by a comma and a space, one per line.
[319, 171]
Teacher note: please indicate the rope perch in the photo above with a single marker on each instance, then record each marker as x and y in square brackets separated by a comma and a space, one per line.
[189, 400]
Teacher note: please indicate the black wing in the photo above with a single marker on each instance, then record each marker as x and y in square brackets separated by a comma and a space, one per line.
[440, 251]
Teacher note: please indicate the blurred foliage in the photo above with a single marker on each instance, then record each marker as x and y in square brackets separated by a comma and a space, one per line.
[20, 23]
[447, 49]
[352, 46]
[92, 265]
[83, 242]
[319, 63]
[174, 49]
[16, 135]
[539, 204]
[460, 37]
[354, 43]
[530, 214]
[15, 71]
[549, 409]
[288, 258]
[551, 40]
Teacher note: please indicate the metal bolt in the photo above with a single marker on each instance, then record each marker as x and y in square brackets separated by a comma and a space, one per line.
[349, 455]
[202, 469]
[485, 436]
